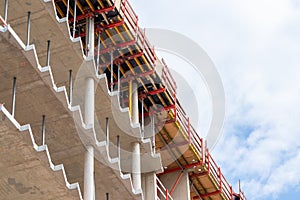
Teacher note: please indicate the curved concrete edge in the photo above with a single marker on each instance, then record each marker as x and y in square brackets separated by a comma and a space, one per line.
[136, 127]
[31, 48]
[37, 148]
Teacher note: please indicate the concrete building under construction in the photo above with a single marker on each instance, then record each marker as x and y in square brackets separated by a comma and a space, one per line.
[89, 112]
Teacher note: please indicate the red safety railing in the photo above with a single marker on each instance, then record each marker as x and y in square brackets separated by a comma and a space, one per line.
[144, 42]
[131, 18]
[242, 196]
[168, 80]
[214, 171]
[162, 191]
[129, 14]
[180, 116]
[193, 137]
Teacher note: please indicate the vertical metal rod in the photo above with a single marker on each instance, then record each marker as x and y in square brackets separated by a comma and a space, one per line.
[107, 196]
[5, 11]
[28, 29]
[119, 81]
[48, 53]
[98, 52]
[111, 72]
[122, 99]
[68, 9]
[107, 131]
[88, 35]
[143, 126]
[118, 146]
[13, 97]
[79, 30]
[70, 87]
[43, 130]
[130, 98]
[153, 131]
[74, 23]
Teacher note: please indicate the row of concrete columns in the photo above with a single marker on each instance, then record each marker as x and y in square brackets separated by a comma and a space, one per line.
[89, 106]
[149, 180]
[146, 182]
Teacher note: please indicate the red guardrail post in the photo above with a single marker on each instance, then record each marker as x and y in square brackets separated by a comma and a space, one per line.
[220, 177]
[175, 110]
[189, 129]
[167, 194]
[208, 160]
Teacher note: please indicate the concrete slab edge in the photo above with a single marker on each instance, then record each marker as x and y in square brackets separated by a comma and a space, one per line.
[99, 144]
[37, 148]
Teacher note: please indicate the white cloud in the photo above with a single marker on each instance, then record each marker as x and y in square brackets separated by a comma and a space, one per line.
[256, 47]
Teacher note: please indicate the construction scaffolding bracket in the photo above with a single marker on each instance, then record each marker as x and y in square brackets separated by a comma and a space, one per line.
[180, 169]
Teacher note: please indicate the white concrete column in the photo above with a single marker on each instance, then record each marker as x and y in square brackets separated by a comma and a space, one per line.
[136, 166]
[182, 190]
[90, 37]
[135, 104]
[89, 187]
[89, 106]
[149, 186]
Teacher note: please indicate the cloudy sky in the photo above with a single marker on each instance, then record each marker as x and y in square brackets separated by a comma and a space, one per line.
[255, 46]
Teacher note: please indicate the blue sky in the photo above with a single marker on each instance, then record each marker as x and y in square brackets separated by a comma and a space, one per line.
[255, 46]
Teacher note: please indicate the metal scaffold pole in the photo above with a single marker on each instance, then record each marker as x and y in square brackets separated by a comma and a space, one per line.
[13, 103]
[43, 129]
[48, 53]
[28, 29]
[98, 52]
[119, 81]
[5, 11]
[143, 121]
[111, 71]
[74, 22]
[70, 87]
